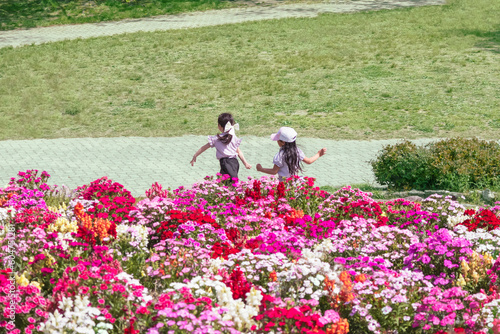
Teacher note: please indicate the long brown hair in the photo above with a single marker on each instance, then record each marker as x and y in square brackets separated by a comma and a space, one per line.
[291, 157]
[225, 137]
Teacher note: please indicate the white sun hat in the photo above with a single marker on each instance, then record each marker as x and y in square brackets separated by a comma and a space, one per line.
[285, 134]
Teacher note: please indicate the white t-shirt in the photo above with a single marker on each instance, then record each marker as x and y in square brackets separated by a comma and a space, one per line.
[280, 162]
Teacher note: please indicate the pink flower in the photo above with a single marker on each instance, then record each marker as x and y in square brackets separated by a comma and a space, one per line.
[100, 301]
[31, 320]
[496, 326]
[47, 270]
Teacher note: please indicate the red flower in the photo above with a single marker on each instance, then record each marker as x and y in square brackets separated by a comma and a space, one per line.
[484, 219]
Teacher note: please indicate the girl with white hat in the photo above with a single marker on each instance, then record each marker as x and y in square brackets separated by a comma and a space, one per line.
[287, 161]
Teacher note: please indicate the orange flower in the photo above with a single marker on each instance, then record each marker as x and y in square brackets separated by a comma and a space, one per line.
[296, 213]
[360, 278]
[85, 221]
[345, 293]
[161, 270]
[341, 327]
[100, 226]
[4, 200]
[345, 277]
[78, 210]
[273, 277]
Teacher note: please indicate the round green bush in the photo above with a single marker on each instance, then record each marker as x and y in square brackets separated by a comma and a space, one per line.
[403, 166]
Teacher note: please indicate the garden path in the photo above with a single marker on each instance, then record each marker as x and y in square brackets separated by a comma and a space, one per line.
[21, 37]
[138, 162]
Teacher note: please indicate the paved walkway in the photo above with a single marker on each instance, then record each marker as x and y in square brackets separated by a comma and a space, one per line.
[138, 162]
[198, 19]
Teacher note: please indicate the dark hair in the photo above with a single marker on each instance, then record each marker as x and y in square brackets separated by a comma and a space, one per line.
[225, 137]
[291, 157]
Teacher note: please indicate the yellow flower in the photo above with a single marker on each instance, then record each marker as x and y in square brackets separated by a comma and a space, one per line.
[22, 280]
[63, 225]
[488, 259]
[465, 266]
[34, 283]
[49, 259]
[51, 208]
[461, 281]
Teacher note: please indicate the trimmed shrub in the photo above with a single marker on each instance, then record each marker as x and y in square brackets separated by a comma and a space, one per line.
[455, 164]
[403, 166]
[462, 164]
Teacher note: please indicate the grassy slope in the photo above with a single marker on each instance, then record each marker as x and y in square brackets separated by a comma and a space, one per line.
[420, 72]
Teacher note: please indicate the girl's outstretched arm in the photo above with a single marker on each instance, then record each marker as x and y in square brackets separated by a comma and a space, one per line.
[315, 157]
[200, 151]
[272, 171]
[242, 158]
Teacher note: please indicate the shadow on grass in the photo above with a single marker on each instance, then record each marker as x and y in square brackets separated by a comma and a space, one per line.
[19, 13]
[489, 40]
[34, 13]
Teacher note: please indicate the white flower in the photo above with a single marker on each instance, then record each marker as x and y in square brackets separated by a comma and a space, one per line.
[386, 310]
[77, 317]
[66, 303]
[254, 297]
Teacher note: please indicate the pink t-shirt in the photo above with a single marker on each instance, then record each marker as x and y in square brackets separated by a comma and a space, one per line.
[223, 150]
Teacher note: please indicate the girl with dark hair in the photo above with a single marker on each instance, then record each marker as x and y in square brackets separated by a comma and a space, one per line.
[227, 147]
[287, 161]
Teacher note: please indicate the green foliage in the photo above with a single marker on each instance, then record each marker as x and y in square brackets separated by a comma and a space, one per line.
[56, 200]
[466, 163]
[455, 164]
[36, 13]
[404, 166]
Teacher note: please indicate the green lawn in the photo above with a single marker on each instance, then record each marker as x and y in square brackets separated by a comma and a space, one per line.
[419, 72]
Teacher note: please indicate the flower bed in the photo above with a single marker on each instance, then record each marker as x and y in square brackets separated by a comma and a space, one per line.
[260, 256]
